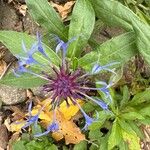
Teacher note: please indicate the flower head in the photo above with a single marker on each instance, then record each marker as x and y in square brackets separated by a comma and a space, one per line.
[63, 83]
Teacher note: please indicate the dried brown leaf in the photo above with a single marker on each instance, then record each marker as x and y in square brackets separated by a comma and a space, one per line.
[3, 66]
[63, 10]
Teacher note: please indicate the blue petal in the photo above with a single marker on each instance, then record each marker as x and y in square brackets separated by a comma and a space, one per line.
[58, 47]
[88, 119]
[51, 128]
[40, 46]
[97, 68]
[102, 104]
[30, 108]
[32, 50]
[62, 45]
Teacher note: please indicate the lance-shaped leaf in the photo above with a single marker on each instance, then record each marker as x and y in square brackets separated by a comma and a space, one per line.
[114, 13]
[24, 81]
[142, 32]
[81, 26]
[46, 16]
[115, 136]
[13, 41]
[119, 49]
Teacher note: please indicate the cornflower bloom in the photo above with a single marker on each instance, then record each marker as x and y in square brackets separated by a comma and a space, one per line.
[65, 84]
[32, 119]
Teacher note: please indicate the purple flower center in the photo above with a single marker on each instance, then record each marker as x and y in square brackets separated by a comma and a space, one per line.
[64, 85]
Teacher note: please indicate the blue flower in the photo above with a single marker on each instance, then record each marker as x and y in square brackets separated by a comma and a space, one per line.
[31, 119]
[51, 128]
[102, 104]
[40, 46]
[105, 89]
[64, 83]
[28, 59]
[63, 46]
[96, 100]
[88, 119]
[97, 68]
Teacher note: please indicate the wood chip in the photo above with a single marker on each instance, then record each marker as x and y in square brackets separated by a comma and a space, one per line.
[23, 9]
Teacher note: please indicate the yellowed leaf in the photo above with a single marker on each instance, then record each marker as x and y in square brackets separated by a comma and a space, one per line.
[132, 140]
[68, 112]
[67, 128]
[16, 126]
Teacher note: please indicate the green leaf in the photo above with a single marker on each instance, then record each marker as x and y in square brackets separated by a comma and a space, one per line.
[145, 111]
[65, 148]
[24, 81]
[97, 124]
[123, 145]
[94, 135]
[36, 129]
[136, 129]
[81, 146]
[25, 137]
[131, 115]
[132, 140]
[19, 145]
[114, 13]
[126, 96]
[140, 98]
[13, 41]
[147, 2]
[81, 26]
[142, 32]
[115, 136]
[46, 16]
[52, 147]
[98, 27]
[104, 142]
[126, 127]
[146, 121]
[119, 49]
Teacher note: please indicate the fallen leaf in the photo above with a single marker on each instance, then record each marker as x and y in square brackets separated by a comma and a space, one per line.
[63, 10]
[68, 112]
[18, 113]
[16, 126]
[67, 130]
